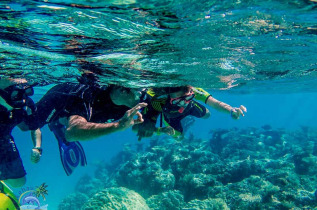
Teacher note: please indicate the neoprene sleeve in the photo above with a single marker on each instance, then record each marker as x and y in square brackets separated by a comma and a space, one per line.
[201, 94]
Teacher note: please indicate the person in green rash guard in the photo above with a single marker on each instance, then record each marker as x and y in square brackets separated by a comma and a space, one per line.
[176, 103]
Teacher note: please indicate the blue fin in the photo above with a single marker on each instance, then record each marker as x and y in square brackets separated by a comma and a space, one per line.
[72, 153]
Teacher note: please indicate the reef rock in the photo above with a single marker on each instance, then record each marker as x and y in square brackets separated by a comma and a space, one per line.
[73, 201]
[210, 204]
[89, 186]
[116, 198]
[171, 200]
[146, 176]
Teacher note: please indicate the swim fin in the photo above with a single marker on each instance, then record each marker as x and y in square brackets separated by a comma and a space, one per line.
[72, 153]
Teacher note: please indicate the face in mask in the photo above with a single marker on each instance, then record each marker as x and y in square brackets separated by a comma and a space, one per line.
[18, 97]
[182, 101]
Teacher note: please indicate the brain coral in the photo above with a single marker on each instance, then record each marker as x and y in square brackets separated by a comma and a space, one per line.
[116, 198]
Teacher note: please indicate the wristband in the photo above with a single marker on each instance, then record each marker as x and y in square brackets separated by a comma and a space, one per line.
[201, 94]
[207, 99]
[231, 111]
[39, 149]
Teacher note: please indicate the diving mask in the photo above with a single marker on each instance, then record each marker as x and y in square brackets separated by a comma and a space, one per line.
[18, 97]
[182, 100]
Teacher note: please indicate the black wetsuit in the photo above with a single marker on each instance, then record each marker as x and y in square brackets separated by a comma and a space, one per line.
[65, 100]
[11, 166]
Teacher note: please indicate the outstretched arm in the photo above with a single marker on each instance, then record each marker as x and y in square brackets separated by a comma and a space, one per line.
[79, 129]
[204, 96]
[36, 152]
[226, 108]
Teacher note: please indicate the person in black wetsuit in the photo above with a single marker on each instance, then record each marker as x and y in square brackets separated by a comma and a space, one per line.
[84, 111]
[16, 107]
[89, 111]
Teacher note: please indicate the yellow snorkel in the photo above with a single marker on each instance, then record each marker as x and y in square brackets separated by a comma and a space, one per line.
[8, 200]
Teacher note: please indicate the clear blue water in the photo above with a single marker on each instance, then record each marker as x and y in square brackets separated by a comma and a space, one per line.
[261, 54]
[251, 45]
[288, 111]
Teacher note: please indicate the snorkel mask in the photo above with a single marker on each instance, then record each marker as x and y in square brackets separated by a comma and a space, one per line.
[18, 96]
[182, 101]
[142, 95]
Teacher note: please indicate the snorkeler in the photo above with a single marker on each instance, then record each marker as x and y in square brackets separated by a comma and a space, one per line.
[16, 108]
[83, 111]
[176, 103]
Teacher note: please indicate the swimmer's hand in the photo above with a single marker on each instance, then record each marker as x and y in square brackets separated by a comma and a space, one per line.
[35, 155]
[168, 130]
[237, 112]
[128, 119]
[146, 129]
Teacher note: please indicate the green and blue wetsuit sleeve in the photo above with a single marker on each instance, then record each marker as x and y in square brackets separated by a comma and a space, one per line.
[201, 94]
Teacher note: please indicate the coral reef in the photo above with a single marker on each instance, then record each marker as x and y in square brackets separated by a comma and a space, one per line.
[172, 200]
[253, 168]
[89, 186]
[73, 201]
[146, 176]
[208, 204]
[116, 198]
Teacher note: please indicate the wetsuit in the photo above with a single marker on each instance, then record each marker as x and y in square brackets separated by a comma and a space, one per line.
[65, 100]
[174, 118]
[11, 166]
[171, 115]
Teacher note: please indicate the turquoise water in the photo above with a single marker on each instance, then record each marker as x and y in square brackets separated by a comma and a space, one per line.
[261, 54]
[288, 111]
[252, 45]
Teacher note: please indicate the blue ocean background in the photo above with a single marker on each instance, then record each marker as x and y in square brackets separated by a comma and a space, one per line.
[256, 53]
[287, 111]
